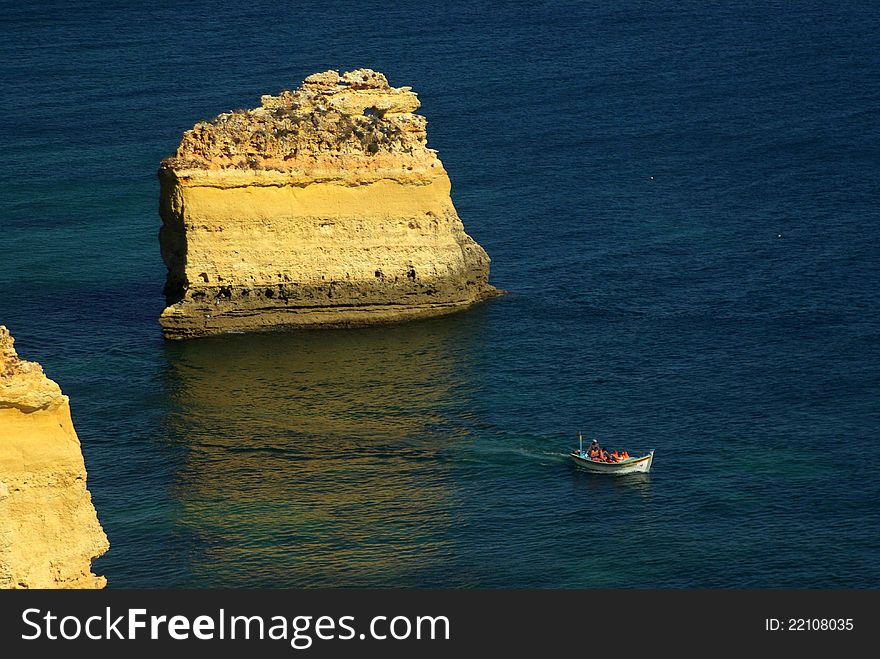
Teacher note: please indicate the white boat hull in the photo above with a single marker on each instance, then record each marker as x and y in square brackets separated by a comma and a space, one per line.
[628, 466]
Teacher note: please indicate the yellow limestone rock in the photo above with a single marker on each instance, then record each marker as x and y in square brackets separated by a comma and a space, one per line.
[322, 207]
[49, 531]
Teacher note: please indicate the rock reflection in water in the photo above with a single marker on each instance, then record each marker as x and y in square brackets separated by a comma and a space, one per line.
[316, 458]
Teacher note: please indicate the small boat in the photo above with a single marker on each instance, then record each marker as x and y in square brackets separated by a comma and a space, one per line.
[640, 464]
[628, 466]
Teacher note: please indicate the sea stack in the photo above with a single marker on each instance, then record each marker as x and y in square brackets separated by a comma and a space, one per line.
[321, 207]
[49, 531]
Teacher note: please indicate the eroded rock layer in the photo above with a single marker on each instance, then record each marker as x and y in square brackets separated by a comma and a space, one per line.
[324, 206]
[49, 531]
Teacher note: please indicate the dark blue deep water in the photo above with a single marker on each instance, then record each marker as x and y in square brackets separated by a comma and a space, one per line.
[682, 199]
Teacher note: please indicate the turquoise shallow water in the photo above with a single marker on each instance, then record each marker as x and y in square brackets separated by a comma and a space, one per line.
[723, 312]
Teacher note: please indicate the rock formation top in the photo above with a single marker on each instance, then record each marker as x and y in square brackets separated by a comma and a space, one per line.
[23, 384]
[356, 117]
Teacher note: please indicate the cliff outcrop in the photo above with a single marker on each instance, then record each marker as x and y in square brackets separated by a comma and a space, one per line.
[49, 531]
[321, 207]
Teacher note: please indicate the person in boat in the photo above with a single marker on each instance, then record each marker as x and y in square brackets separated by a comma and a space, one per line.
[612, 457]
[594, 450]
[624, 455]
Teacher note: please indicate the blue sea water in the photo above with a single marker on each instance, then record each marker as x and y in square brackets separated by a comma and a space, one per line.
[681, 198]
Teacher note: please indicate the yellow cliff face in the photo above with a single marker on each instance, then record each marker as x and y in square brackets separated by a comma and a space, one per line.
[49, 531]
[322, 207]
